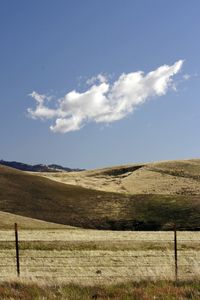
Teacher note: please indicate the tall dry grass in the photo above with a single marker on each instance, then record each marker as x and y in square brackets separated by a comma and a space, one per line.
[160, 290]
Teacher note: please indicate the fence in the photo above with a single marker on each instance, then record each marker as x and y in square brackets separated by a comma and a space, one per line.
[170, 258]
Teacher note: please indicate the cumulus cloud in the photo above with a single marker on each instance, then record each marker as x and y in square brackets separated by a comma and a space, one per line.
[104, 102]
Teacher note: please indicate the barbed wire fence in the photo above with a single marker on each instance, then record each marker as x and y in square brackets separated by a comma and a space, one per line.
[91, 265]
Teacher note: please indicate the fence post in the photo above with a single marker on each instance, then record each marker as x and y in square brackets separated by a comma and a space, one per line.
[175, 253]
[17, 250]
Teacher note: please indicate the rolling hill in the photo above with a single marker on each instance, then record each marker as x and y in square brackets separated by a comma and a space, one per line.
[7, 221]
[166, 178]
[40, 198]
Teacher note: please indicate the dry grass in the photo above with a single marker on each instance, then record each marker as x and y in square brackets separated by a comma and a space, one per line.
[170, 177]
[90, 264]
[161, 290]
[98, 257]
[7, 221]
[40, 198]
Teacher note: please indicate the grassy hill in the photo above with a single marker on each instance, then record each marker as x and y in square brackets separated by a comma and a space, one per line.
[41, 198]
[166, 178]
[7, 221]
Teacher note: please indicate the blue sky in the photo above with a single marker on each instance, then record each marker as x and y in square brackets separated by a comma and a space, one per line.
[54, 47]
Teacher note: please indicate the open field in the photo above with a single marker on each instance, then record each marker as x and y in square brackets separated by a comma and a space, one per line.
[99, 257]
[41, 198]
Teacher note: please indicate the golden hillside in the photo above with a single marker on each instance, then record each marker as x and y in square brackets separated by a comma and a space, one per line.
[167, 178]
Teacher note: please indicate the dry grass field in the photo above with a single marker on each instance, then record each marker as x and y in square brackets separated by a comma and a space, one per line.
[92, 257]
[82, 264]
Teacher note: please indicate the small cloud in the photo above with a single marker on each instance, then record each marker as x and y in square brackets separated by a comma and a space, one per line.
[187, 76]
[104, 102]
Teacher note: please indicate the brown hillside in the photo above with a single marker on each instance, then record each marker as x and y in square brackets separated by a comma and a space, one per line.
[40, 198]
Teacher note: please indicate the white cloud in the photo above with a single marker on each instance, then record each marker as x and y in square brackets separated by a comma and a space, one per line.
[41, 111]
[186, 76]
[104, 102]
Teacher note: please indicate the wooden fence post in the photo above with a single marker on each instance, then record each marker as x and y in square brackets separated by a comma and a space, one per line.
[17, 250]
[175, 253]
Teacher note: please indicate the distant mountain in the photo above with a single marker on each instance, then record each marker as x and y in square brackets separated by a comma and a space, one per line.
[37, 168]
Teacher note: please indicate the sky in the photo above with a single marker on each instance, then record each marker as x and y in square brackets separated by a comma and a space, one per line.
[97, 83]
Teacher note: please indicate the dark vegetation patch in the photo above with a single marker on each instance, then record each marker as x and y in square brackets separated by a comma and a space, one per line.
[41, 198]
[120, 171]
[116, 245]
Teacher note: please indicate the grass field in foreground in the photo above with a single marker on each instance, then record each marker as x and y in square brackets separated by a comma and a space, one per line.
[99, 257]
[160, 290]
[40, 198]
